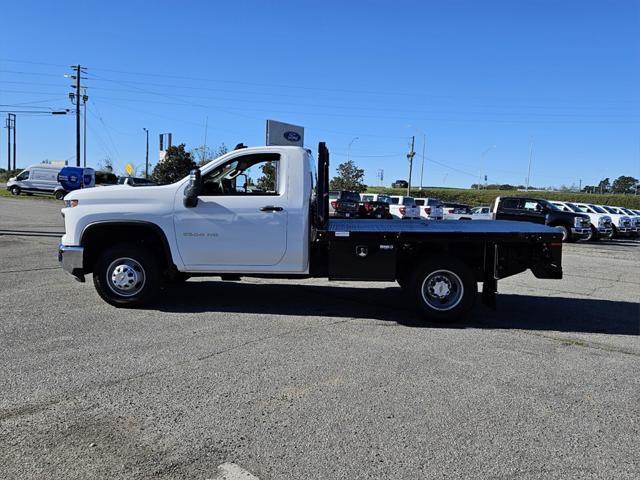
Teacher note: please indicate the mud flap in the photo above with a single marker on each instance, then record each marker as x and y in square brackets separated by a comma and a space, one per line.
[489, 290]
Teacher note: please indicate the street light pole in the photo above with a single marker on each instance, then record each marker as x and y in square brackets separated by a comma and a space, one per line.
[146, 160]
[424, 148]
[482, 163]
[410, 156]
[349, 149]
[85, 97]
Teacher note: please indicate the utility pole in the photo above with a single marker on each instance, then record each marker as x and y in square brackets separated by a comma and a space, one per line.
[10, 125]
[530, 157]
[424, 148]
[146, 157]
[410, 156]
[79, 70]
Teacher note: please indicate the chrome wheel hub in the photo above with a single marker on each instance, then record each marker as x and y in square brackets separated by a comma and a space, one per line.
[442, 290]
[125, 277]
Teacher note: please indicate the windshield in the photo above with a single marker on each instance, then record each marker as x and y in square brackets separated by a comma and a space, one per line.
[350, 196]
[384, 198]
[549, 205]
[573, 207]
[598, 209]
[609, 209]
[408, 201]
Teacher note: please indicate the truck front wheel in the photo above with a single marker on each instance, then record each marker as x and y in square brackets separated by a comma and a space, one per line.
[445, 289]
[566, 233]
[126, 275]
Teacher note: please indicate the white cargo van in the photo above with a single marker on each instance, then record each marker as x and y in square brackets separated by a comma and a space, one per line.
[40, 178]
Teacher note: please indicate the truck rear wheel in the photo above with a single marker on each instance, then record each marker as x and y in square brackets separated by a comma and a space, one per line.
[445, 289]
[126, 275]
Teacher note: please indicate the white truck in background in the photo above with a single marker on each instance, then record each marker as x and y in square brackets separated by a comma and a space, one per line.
[601, 226]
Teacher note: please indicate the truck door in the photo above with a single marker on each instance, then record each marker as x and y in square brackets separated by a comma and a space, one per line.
[241, 216]
[510, 209]
[534, 211]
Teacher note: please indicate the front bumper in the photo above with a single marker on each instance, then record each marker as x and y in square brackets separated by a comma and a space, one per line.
[580, 232]
[604, 231]
[71, 259]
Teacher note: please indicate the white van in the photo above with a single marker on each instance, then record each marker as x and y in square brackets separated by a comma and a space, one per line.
[40, 178]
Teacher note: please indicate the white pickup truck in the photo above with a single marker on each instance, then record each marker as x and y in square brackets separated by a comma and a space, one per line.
[601, 225]
[133, 240]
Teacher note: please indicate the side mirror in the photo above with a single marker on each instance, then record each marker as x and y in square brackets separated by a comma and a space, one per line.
[193, 189]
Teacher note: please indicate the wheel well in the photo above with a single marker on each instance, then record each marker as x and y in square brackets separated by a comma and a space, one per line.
[471, 254]
[96, 238]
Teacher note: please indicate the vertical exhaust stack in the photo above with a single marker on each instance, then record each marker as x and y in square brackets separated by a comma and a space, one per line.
[322, 197]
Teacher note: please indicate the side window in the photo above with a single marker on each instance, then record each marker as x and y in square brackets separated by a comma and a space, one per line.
[367, 198]
[532, 206]
[23, 176]
[394, 200]
[255, 174]
[509, 203]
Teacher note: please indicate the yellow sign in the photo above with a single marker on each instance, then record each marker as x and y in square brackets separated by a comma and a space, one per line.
[129, 169]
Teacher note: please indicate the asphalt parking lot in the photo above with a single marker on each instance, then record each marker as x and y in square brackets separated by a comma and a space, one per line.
[313, 379]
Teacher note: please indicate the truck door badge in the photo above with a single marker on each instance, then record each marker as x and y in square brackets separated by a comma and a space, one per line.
[362, 251]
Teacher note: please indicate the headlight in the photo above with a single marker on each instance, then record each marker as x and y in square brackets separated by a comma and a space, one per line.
[70, 203]
[580, 222]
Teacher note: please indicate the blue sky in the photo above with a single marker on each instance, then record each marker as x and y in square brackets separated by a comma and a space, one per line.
[467, 74]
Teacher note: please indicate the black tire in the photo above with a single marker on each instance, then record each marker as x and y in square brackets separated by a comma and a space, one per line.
[126, 275]
[566, 233]
[444, 288]
[614, 232]
[15, 190]
[594, 236]
[59, 194]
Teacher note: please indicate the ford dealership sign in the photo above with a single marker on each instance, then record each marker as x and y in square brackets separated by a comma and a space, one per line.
[279, 133]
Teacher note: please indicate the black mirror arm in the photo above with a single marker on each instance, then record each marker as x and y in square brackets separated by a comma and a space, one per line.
[193, 189]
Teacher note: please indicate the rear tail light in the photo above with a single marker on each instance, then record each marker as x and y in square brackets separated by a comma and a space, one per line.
[403, 210]
[334, 204]
[427, 210]
[368, 206]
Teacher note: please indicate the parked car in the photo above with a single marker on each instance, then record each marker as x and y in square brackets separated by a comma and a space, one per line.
[343, 203]
[601, 226]
[456, 211]
[621, 223]
[403, 207]
[574, 226]
[635, 219]
[400, 184]
[481, 213]
[430, 208]
[135, 181]
[374, 205]
[40, 178]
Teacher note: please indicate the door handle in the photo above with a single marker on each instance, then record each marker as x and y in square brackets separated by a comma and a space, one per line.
[271, 208]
